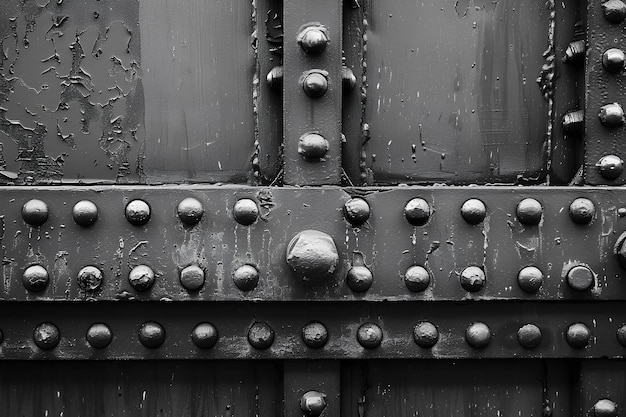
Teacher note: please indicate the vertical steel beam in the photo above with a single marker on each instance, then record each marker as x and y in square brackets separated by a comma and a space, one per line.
[310, 160]
[312, 388]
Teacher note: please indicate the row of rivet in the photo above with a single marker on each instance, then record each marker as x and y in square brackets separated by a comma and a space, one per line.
[315, 335]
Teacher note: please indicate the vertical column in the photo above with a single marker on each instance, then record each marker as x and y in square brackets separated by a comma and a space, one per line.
[312, 388]
[312, 87]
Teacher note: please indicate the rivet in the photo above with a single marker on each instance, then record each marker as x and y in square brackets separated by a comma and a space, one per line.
[313, 146]
[85, 213]
[35, 278]
[246, 277]
[46, 336]
[260, 335]
[313, 39]
[204, 335]
[312, 256]
[416, 278]
[190, 211]
[359, 278]
[314, 335]
[35, 212]
[151, 334]
[192, 277]
[610, 166]
[89, 278]
[275, 79]
[621, 335]
[611, 115]
[578, 335]
[575, 53]
[348, 80]
[574, 123]
[613, 60]
[580, 278]
[605, 408]
[478, 335]
[473, 279]
[425, 334]
[529, 211]
[417, 211]
[356, 211]
[138, 212]
[313, 403]
[315, 84]
[529, 336]
[245, 211]
[369, 335]
[530, 279]
[582, 210]
[614, 11]
[99, 335]
[473, 211]
[141, 277]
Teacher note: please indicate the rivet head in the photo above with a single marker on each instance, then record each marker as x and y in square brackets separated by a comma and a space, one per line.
[621, 335]
[478, 335]
[425, 334]
[313, 40]
[610, 166]
[613, 60]
[605, 408]
[356, 211]
[417, 212]
[151, 334]
[575, 53]
[313, 146]
[274, 79]
[580, 278]
[35, 278]
[246, 277]
[473, 211]
[348, 79]
[138, 212]
[99, 335]
[369, 335]
[141, 278]
[190, 211]
[529, 336]
[359, 278]
[35, 212]
[260, 335]
[614, 11]
[578, 335]
[582, 210]
[529, 211]
[192, 277]
[530, 279]
[574, 123]
[89, 278]
[315, 84]
[473, 279]
[611, 115]
[85, 213]
[204, 335]
[313, 403]
[312, 256]
[416, 278]
[46, 336]
[245, 211]
[314, 335]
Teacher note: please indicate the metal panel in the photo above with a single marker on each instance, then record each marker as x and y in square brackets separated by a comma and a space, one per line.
[602, 388]
[312, 388]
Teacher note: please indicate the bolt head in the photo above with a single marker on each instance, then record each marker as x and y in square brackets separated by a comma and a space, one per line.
[312, 256]
[141, 278]
[313, 146]
[89, 278]
[260, 336]
[348, 80]
[473, 279]
[313, 40]
[582, 210]
[359, 278]
[613, 60]
[356, 211]
[138, 212]
[192, 277]
[246, 277]
[313, 403]
[610, 166]
[529, 211]
[416, 278]
[580, 278]
[85, 213]
[614, 11]
[35, 278]
[478, 335]
[417, 212]
[605, 408]
[315, 84]
[35, 212]
[574, 122]
[369, 335]
[47, 336]
[473, 211]
[611, 115]
[529, 336]
[314, 335]
[530, 279]
[204, 335]
[425, 334]
[190, 211]
[99, 335]
[245, 211]
[578, 335]
[151, 334]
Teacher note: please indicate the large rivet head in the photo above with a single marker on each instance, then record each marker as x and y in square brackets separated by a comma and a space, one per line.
[314, 335]
[529, 336]
[417, 211]
[190, 211]
[89, 278]
[313, 403]
[312, 256]
[35, 278]
[473, 211]
[85, 213]
[315, 83]
[614, 11]
[46, 336]
[359, 278]
[275, 79]
[245, 211]
[473, 279]
[611, 115]
[610, 166]
[260, 335]
[141, 278]
[356, 211]
[605, 408]
[425, 334]
[204, 335]
[313, 146]
[99, 335]
[369, 335]
[151, 334]
[580, 278]
[582, 210]
[416, 278]
[621, 335]
[578, 335]
[246, 277]
[192, 277]
[478, 335]
[138, 212]
[530, 279]
[313, 39]
[529, 211]
[35, 212]
[613, 60]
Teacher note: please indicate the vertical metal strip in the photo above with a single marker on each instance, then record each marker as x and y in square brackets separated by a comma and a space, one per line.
[311, 388]
[312, 162]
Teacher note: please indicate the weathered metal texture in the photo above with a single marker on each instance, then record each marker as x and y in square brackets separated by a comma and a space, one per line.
[602, 388]
[305, 111]
[312, 388]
